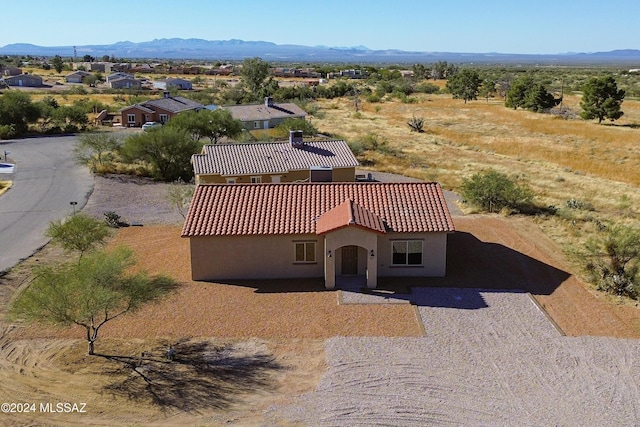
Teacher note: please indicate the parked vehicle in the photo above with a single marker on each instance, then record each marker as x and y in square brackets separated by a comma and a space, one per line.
[150, 125]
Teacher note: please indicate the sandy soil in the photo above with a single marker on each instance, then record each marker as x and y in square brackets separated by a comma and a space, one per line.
[261, 345]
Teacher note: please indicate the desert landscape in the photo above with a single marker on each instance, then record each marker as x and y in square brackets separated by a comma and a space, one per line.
[521, 343]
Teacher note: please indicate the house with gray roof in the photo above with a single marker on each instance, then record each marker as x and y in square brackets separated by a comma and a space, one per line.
[23, 80]
[76, 76]
[265, 116]
[125, 83]
[295, 160]
[157, 110]
[176, 83]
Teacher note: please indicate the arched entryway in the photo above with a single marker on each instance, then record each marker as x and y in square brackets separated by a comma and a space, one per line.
[351, 267]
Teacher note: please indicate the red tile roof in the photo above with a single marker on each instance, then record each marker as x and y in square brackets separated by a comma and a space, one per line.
[346, 214]
[296, 208]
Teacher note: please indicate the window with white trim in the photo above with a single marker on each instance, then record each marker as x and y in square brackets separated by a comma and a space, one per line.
[163, 118]
[305, 252]
[256, 125]
[406, 252]
[231, 180]
[131, 118]
[256, 179]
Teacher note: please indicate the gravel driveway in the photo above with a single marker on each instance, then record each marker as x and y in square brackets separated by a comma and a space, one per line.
[488, 358]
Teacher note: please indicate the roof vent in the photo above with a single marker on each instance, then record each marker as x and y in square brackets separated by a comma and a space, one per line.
[295, 138]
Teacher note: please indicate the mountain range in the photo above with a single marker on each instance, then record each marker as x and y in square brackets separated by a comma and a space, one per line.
[233, 50]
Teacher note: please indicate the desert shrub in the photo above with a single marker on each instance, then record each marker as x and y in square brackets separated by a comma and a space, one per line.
[493, 191]
[416, 124]
[428, 88]
[374, 97]
[7, 132]
[613, 261]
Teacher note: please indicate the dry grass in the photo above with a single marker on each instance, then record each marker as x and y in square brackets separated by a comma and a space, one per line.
[4, 186]
[560, 159]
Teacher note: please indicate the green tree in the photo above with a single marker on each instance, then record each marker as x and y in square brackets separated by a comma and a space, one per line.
[464, 85]
[530, 95]
[167, 150]
[17, 111]
[57, 63]
[601, 99]
[443, 70]
[537, 99]
[90, 293]
[419, 72]
[307, 128]
[488, 89]
[493, 191]
[517, 93]
[179, 196]
[80, 233]
[70, 118]
[613, 261]
[97, 149]
[211, 124]
[253, 75]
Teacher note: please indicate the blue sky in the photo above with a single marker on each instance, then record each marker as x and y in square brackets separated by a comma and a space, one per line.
[543, 26]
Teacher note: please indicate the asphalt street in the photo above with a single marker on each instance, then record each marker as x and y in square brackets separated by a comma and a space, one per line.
[45, 183]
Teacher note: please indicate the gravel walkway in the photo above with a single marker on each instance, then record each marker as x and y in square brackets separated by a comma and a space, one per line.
[489, 358]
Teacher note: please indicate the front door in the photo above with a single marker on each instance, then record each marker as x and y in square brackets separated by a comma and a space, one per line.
[349, 260]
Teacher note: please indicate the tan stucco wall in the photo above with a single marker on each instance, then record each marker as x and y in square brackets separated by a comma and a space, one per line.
[434, 255]
[339, 175]
[252, 257]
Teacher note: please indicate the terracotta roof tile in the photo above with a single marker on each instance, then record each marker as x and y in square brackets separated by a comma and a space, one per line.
[271, 157]
[298, 208]
[347, 214]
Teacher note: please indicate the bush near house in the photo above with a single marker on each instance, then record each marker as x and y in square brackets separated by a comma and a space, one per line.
[493, 191]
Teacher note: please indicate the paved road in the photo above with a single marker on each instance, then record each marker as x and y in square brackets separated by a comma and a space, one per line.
[45, 181]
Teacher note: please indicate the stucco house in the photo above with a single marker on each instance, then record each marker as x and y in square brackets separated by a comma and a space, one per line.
[316, 230]
[290, 161]
[177, 83]
[23, 80]
[265, 116]
[157, 110]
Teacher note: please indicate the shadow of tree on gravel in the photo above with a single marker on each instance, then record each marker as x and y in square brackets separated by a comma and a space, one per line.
[200, 376]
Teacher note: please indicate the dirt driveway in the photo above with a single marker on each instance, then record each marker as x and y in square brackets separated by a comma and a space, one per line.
[291, 324]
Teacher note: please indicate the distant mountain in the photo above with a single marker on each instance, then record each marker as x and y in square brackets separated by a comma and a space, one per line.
[177, 48]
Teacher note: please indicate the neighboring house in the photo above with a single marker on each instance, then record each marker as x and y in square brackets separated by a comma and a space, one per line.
[157, 110]
[119, 75]
[23, 80]
[76, 76]
[309, 230]
[125, 83]
[265, 116]
[167, 84]
[294, 160]
[11, 71]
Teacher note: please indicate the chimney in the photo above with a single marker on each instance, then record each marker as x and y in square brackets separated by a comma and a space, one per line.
[295, 138]
[166, 94]
[268, 101]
